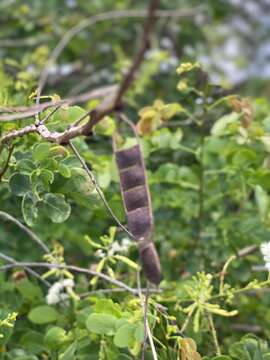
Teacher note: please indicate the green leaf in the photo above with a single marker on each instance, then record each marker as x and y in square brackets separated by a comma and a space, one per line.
[26, 166]
[244, 157]
[105, 127]
[107, 306]
[124, 336]
[20, 184]
[43, 314]
[55, 337]
[32, 341]
[41, 151]
[220, 127]
[101, 323]
[68, 115]
[169, 110]
[41, 179]
[69, 354]
[139, 333]
[58, 151]
[80, 182]
[29, 291]
[64, 170]
[166, 139]
[262, 201]
[57, 208]
[29, 209]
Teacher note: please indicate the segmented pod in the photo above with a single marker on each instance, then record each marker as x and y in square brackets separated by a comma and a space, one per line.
[137, 203]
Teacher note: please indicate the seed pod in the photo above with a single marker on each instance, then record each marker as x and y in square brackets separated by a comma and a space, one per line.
[137, 203]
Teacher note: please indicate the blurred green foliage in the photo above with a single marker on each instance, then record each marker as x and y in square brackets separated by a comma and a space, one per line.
[207, 158]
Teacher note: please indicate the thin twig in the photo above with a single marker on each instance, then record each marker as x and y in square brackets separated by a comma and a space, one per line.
[188, 318]
[259, 268]
[118, 290]
[147, 330]
[72, 269]
[247, 250]
[98, 189]
[223, 273]
[42, 121]
[24, 112]
[3, 171]
[29, 270]
[214, 332]
[247, 328]
[23, 42]
[29, 232]
[201, 181]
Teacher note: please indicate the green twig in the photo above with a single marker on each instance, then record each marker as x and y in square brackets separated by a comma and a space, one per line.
[213, 332]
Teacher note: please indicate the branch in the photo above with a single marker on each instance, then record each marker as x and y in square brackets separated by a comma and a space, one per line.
[139, 58]
[27, 112]
[29, 232]
[247, 250]
[72, 269]
[106, 107]
[29, 270]
[118, 290]
[110, 15]
[98, 189]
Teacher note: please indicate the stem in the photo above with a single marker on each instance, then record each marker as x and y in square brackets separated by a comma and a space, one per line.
[214, 332]
[147, 331]
[71, 268]
[223, 273]
[202, 177]
[186, 149]
[98, 189]
[2, 172]
[201, 185]
[184, 326]
[29, 232]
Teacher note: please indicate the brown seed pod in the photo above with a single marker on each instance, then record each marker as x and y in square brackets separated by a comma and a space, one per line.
[136, 198]
[137, 203]
[132, 177]
[150, 261]
[128, 157]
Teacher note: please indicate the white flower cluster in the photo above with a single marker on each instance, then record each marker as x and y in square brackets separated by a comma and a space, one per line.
[265, 250]
[56, 292]
[114, 248]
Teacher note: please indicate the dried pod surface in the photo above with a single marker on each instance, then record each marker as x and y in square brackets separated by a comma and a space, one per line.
[150, 261]
[138, 208]
[136, 198]
[128, 157]
[140, 222]
[132, 177]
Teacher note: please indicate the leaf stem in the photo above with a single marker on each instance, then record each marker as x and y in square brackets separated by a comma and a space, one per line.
[214, 332]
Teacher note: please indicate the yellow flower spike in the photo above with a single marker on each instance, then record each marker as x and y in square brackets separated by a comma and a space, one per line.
[158, 104]
[186, 67]
[182, 85]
